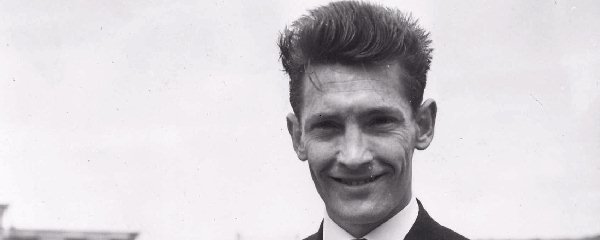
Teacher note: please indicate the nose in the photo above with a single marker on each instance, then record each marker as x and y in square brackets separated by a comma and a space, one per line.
[353, 149]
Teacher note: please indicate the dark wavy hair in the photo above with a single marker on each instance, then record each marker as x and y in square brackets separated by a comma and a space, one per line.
[352, 32]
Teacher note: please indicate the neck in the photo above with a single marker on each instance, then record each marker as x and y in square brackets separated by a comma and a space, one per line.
[359, 230]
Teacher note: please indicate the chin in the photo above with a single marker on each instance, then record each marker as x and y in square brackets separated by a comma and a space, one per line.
[361, 213]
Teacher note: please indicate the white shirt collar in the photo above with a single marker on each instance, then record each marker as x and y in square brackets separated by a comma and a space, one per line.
[394, 228]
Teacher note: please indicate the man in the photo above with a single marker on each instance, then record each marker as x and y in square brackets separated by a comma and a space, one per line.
[357, 75]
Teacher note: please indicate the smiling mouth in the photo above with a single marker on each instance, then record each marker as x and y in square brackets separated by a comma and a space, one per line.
[356, 182]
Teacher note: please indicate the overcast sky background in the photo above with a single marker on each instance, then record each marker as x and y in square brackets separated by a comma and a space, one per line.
[168, 118]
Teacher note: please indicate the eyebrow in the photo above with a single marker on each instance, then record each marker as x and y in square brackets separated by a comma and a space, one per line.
[321, 116]
[383, 111]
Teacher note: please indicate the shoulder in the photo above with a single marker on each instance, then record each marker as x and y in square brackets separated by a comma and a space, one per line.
[315, 236]
[424, 228]
[318, 235]
[427, 228]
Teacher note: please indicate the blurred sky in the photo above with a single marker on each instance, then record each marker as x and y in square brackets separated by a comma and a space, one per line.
[168, 118]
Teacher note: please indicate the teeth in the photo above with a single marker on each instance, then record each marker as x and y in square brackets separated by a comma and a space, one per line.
[359, 182]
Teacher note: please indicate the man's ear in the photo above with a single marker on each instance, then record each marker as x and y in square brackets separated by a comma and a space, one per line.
[425, 119]
[293, 125]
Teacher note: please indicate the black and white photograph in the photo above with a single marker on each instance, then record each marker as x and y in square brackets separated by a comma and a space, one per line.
[300, 120]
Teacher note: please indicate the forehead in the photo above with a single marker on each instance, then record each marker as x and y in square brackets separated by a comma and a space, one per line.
[339, 77]
[337, 86]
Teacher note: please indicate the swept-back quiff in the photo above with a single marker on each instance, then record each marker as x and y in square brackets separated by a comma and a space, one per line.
[352, 32]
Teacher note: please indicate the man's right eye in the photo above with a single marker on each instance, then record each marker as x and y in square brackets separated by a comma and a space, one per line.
[326, 130]
[326, 125]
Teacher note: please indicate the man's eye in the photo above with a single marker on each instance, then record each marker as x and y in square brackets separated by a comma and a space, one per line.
[382, 121]
[326, 125]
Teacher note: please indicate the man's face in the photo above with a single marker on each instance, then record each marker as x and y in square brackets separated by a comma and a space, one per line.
[358, 134]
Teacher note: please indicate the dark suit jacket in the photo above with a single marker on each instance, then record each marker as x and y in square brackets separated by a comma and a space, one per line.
[425, 228]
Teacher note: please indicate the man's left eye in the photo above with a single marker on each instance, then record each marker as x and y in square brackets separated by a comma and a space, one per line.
[382, 121]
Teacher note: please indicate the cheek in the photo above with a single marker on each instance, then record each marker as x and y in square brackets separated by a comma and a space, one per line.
[320, 154]
[395, 151]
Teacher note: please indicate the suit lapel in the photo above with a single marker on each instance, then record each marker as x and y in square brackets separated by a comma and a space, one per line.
[421, 229]
[427, 228]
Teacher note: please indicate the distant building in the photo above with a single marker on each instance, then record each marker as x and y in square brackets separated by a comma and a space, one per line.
[30, 234]
[35, 234]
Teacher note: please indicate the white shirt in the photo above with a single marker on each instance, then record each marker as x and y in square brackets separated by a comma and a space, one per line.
[394, 228]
